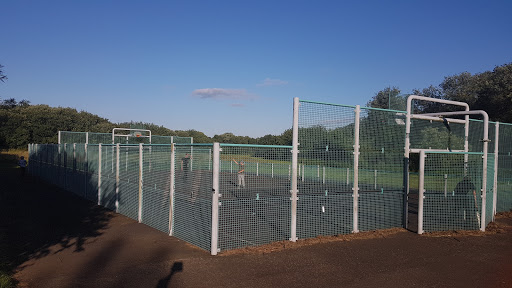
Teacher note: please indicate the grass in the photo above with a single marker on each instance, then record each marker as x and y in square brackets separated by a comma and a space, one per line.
[9, 158]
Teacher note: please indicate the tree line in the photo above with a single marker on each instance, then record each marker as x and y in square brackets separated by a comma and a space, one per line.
[22, 123]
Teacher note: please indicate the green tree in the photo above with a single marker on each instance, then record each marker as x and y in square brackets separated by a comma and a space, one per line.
[388, 98]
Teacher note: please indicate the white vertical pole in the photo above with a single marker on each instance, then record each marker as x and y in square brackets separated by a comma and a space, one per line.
[318, 171]
[117, 178]
[295, 160]
[495, 187]
[421, 191]
[59, 135]
[141, 174]
[484, 172]
[171, 189]
[257, 168]
[303, 168]
[215, 200]
[86, 168]
[86, 137]
[74, 157]
[375, 179]
[209, 159]
[355, 189]
[323, 175]
[99, 173]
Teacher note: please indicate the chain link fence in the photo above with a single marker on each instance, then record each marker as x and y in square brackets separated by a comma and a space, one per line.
[350, 176]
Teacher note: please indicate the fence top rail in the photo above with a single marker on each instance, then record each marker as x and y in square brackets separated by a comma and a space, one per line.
[384, 110]
[323, 103]
[454, 152]
[255, 145]
[192, 144]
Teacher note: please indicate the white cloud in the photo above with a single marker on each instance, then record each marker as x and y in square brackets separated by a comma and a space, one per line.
[223, 94]
[272, 82]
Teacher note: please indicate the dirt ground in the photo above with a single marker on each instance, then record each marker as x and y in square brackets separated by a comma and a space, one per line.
[51, 238]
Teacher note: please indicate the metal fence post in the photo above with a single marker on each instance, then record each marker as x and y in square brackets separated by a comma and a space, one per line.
[171, 189]
[421, 191]
[355, 189]
[495, 187]
[99, 174]
[117, 178]
[86, 169]
[141, 151]
[295, 158]
[215, 199]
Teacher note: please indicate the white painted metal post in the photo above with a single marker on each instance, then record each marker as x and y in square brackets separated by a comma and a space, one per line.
[257, 169]
[141, 174]
[375, 179]
[215, 199]
[86, 168]
[117, 178]
[59, 138]
[295, 160]
[171, 190]
[272, 170]
[355, 188]
[421, 191]
[495, 187]
[99, 173]
[86, 137]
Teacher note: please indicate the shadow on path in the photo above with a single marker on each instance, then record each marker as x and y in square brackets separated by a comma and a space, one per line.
[36, 217]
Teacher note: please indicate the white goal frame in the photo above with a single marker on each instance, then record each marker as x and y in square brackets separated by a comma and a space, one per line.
[129, 135]
[439, 116]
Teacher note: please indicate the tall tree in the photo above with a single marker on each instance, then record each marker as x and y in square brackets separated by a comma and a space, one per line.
[388, 98]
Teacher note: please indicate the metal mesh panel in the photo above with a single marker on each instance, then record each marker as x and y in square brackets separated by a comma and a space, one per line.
[504, 194]
[108, 195]
[100, 138]
[326, 161]
[128, 196]
[382, 135]
[72, 137]
[452, 198]
[193, 195]
[92, 173]
[182, 140]
[156, 188]
[255, 203]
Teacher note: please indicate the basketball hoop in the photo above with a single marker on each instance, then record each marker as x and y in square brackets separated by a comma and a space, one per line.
[137, 134]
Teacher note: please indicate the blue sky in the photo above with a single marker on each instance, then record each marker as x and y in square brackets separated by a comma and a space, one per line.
[235, 66]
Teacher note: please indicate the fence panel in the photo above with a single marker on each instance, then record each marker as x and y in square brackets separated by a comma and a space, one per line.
[193, 195]
[452, 202]
[255, 204]
[326, 166]
[156, 188]
[381, 190]
[128, 195]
